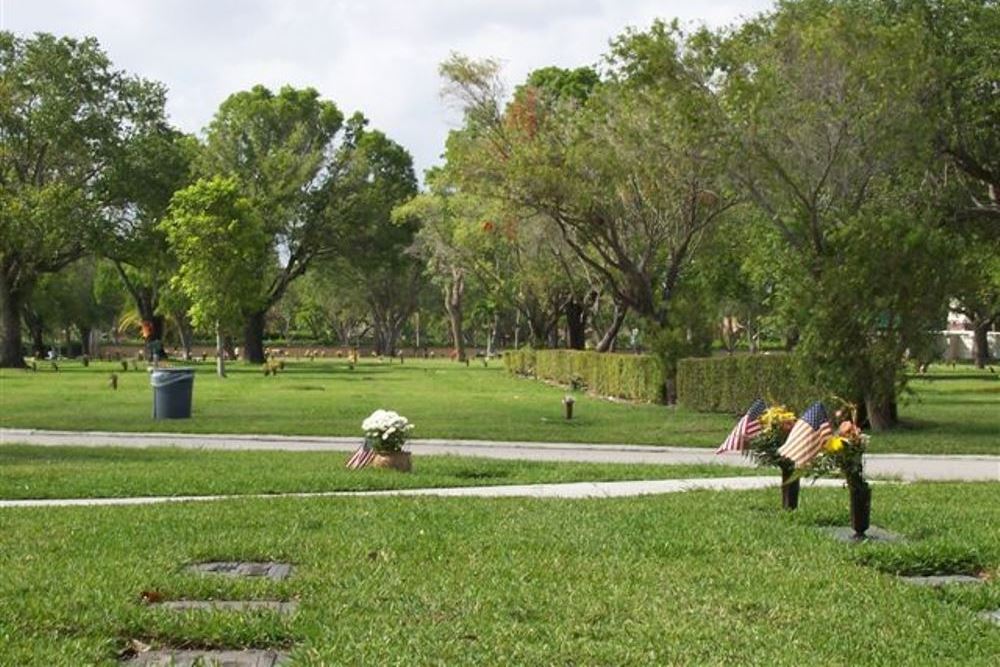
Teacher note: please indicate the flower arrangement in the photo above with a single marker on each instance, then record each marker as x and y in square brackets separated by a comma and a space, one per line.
[385, 431]
[775, 425]
[844, 451]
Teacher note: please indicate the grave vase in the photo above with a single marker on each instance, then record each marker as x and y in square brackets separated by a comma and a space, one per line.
[861, 506]
[392, 460]
[789, 489]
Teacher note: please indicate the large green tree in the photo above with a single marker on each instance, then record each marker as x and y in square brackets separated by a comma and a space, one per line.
[377, 177]
[631, 177]
[151, 168]
[220, 243]
[66, 115]
[827, 109]
[283, 150]
[964, 39]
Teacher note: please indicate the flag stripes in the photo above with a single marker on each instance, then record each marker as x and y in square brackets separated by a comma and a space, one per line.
[362, 457]
[747, 427]
[808, 436]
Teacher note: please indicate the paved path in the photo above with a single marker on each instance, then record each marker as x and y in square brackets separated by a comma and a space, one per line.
[569, 490]
[902, 466]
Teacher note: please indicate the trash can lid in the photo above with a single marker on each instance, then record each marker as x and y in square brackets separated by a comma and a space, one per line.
[161, 377]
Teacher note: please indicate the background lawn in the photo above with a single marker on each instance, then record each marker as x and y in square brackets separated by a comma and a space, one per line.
[88, 472]
[950, 411]
[695, 578]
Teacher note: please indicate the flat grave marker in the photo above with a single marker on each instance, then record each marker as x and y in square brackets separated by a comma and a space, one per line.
[991, 616]
[939, 580]
[248, 658]
[228, 605]
[270, 570]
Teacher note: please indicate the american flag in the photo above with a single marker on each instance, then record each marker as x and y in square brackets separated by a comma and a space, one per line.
[362, 457]
[808, 436]
[747, 427]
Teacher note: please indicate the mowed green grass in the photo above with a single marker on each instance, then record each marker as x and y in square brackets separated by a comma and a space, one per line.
[694, 578]
[948, 412]
[88, 472]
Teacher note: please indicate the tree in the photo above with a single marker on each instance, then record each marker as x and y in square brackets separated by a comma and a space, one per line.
[76, 298]
[331, 304]
[282, 150]
[964, 38]
[631, 178]
[449, 241]
[826, 109]
[149, 170]
[65, 115]
[220, 244]
[377, 247]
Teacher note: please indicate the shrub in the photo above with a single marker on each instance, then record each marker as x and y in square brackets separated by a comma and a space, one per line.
[520, 362]
[636, 377]
[729, 384]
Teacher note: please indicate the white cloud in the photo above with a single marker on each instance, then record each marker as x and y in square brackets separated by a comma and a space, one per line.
[377, 56]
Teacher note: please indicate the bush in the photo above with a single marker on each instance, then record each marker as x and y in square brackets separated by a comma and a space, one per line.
[636, 377]
[730, 384]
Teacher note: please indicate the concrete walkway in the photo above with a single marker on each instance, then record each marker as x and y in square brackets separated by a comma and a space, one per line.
[902, 466]
[569, 490]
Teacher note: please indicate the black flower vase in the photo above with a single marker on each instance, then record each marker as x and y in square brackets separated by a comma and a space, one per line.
[861, 506]
[789, 489]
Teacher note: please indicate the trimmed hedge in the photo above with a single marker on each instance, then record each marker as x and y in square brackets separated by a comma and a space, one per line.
[632, 376]
[731, 383]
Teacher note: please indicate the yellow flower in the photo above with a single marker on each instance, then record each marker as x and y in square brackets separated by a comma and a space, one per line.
[834, 445]
[776, 416]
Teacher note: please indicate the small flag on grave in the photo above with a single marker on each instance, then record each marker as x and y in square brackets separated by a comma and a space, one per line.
[362, 457]
[747, 427]
[808, 436]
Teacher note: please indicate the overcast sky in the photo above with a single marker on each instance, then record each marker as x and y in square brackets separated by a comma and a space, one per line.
[376, 56]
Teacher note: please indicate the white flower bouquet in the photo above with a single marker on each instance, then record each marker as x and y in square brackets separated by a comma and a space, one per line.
[385, 431]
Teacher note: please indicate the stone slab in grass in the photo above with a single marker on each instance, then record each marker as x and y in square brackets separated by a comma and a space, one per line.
[873, 534]
[271, 570]
[939, 580]
[991, 616]
[229, 605]
[171, 658]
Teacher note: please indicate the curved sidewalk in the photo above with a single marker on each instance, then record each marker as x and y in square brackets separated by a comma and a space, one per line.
[902, 466]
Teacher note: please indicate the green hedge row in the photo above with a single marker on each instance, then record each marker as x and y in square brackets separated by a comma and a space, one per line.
[729, 384]
[636, 377]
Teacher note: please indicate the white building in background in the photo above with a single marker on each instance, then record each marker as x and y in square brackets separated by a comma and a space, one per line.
[957, 343]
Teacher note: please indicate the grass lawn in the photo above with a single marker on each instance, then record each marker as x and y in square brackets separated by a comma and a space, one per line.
[695, 578]
[87, 472]
[949, 411]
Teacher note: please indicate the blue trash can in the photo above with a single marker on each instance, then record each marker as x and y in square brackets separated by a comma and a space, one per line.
[172, 389]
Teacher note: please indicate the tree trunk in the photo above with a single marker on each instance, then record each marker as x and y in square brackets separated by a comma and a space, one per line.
[36, 329]
[220, 352]
[791, 339]
[11, 354]
[881, 413]
[607, 342]
[186, 333]
[981, 342]
[491, 339]
[84, 339]
[253, 338]
[576, 324]
[670, 391]
[453, 304]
